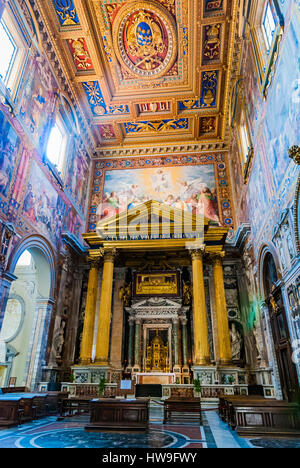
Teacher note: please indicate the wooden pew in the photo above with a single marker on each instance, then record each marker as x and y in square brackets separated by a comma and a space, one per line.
[71, 406]
[114, 414]
[54, 400]
[14, 390]
[10, 411]
[178, 409]
[226, 401]
[42, 407]
[258, 416]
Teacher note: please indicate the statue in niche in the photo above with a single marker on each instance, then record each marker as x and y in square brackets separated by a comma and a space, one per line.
[256, 336]
[125, 295]
[289, 241]
[281, 251]
[187, 293]
[236, 342]
[61, 340]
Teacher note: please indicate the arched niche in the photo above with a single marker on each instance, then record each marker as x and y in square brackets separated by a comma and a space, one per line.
[43, 257]
[277, 317]
[31, 340]
[269, 270]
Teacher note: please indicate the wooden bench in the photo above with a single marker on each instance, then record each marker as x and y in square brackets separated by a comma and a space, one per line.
[25, 407]
[14, 390]
[226, 401]
[114, 414]
[182, 410]
[71, 406]
[258, 416]
[10, 411]
[53, 401]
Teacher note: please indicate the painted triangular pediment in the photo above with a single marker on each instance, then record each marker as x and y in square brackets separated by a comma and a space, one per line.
[152, 219]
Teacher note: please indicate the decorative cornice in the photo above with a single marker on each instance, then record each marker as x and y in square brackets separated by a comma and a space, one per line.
[165, 150]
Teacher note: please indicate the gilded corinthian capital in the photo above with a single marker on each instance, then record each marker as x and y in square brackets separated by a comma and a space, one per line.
[110, 255]
[198, 253]
[216, 257]
[294, 153]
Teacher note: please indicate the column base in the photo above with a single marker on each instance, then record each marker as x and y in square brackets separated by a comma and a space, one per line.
[85, 362]
[203, 362]
[225, 363]
[99, 362]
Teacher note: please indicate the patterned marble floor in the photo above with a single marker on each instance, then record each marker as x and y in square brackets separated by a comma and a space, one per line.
[69, 433]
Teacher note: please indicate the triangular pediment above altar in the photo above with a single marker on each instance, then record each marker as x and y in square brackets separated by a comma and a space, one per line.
[151, 219]
[154, 302]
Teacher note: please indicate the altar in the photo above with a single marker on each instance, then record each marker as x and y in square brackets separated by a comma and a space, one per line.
[155, 378]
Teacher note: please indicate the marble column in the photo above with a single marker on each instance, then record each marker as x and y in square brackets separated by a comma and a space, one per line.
[137, 343]
[184, 341]
[70, 342]
[175, 334]
[89, 316]
[130, 342]
[201, 343]
[117, 323]
[225, 353]
[66, 266]
[103, 335]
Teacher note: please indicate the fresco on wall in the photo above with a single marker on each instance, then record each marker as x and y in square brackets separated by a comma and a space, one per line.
[251, 89]
[77, 174]
[257, 196]
[282, 121]
[188, 188]
[38, 101]
[42, 206]
[9, 147]
[73, 222]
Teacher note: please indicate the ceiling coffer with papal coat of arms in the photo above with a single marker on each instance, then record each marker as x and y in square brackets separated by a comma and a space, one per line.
[153, 71]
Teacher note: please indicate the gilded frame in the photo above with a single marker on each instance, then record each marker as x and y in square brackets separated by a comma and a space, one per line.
[164, 273]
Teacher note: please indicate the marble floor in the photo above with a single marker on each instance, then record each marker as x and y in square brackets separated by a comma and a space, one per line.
[69, 433]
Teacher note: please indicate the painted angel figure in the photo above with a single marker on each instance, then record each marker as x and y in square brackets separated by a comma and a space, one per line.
[161, 182]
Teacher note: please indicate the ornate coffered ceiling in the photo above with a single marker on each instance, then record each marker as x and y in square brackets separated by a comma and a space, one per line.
[149, 73]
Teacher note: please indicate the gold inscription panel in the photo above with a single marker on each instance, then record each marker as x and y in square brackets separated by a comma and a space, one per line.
[157, 284]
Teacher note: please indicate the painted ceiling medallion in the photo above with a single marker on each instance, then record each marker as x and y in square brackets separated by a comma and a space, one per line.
[145, 39]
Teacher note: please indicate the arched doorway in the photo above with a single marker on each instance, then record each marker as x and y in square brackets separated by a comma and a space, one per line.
[25, 326]
[280, 329]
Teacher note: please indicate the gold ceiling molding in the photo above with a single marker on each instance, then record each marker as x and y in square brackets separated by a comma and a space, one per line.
[187, 149]
[157, 68]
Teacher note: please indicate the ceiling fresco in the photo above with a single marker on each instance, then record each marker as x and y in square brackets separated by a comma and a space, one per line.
[147, 72]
